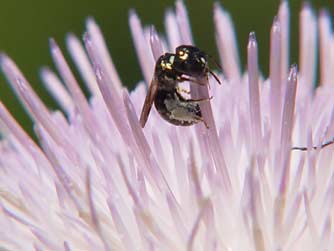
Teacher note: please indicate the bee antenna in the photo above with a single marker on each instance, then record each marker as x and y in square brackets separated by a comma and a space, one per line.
[314, 147]
[212, 59]
[217, 64]
[215, 76]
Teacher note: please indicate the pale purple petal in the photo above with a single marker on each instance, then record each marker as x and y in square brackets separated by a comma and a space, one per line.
[156, 45]
[284, 19]
[288, 111]
[57, 90]
[79, 56]
[172, 30]
[102, 51]
[326, 48]
[227, 43]
[254, 93]
[183, 23]
[142, 48]
[203, 92]
[275, 81]
[308, 47]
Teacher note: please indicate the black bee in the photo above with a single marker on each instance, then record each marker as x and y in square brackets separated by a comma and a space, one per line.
[170, 70]
[167, 98]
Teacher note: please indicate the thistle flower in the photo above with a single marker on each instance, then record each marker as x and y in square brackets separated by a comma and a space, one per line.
[98, 181]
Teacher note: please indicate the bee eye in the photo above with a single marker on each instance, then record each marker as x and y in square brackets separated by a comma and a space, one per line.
[184, 55]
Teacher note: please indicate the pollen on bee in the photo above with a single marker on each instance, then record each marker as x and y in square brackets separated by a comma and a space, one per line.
[168, 66]
[184, 56]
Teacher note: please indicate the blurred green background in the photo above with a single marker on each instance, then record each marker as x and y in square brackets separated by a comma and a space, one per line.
[25, 27]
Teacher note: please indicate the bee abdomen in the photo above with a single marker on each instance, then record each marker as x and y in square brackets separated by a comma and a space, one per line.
[177, 110]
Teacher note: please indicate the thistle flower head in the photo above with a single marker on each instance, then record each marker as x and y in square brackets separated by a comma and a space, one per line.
[98, 181]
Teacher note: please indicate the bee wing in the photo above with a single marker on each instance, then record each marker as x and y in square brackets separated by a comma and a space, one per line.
[152, 91]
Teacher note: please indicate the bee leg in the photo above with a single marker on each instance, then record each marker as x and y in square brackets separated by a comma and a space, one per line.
[206, 125]
[192, 79]
[198, 100]
[215, 76]
[195, 101]
[204, 122]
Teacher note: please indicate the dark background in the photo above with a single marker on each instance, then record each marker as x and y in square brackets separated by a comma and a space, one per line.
[25, 27]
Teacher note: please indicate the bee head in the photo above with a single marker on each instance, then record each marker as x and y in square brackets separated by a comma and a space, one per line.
[191, 61]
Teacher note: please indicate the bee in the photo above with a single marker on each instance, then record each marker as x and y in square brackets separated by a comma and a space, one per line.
[187, 64]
